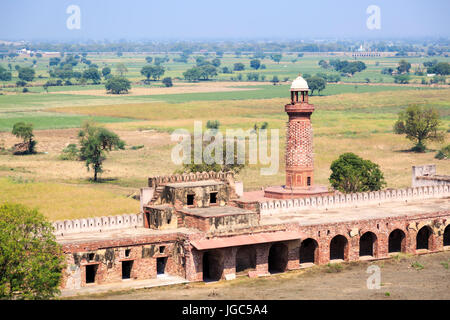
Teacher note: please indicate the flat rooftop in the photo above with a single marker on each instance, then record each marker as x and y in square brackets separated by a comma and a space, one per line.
[128, 233]
[375, 211]
[216, 211]
[191, 184]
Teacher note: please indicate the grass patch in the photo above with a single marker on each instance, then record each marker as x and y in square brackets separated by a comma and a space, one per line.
[334, 267]
[417, 265]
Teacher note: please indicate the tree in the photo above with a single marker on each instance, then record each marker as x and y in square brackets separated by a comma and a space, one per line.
[402, 78]
[121, 69]
[31, 261]
[348, 67]
[54, 61]
[106, 71]
[276, 57]
[154, 72]
[403, 66]
[203, 72]
[192, 74]
[255, 64]
[216, 62]
[118, 85]
[167, 82]
[387, 71]
[238, 66]
[350, 173]
[207, 71]
[275, 80]
[323, 64]
[149, 59]
[92, 74]
[316, 83]
[24, 131]
[26, 74]
[420, 125]
[5, 75]
[441, 68]
[95, 142]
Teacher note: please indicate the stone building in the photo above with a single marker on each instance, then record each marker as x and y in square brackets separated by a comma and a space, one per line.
[203, 227]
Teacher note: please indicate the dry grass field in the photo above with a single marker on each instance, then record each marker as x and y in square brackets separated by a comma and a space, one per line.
[349, 122]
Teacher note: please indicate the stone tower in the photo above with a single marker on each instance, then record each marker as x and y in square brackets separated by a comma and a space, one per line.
[299, 148]
[299, 144]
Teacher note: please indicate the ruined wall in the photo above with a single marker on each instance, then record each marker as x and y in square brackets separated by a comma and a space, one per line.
[108, 261]
[178, 196]
[160, 218]
[223, 223]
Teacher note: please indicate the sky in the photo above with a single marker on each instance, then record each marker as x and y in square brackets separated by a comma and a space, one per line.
[224, 19]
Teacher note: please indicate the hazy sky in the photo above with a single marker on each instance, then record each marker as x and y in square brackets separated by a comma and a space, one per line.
[224, 19]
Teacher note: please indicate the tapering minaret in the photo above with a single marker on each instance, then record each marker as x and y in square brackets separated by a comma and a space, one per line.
[299, 136]
[299, 155]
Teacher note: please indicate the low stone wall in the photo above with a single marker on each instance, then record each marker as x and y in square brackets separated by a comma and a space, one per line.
[353, 199]
[98, 224]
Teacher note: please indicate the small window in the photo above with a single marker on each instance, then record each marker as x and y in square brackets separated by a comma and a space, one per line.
[127, 253]
[190, 199]
[91, 256]
[308, 181]
[161, 249]
[213, 197]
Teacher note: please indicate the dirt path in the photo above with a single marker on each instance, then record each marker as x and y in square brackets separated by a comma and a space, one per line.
[399, 280]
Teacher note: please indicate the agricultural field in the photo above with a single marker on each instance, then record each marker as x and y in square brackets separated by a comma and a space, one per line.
[350, 116]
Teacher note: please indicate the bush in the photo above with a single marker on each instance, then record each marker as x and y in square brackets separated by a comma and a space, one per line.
[167, 82]
[213, 124]
[350, 173]
[444, 153]
[70, 152]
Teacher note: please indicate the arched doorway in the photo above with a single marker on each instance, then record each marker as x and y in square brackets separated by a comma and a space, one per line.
[367, 244]
[423, 238]
[278, 257]
[338, 247]
[308, 251]
[447, 236]
[212, 265]
[245, 258]
[396, 241]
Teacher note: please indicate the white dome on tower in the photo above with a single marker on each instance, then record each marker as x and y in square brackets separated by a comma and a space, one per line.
[299, 84]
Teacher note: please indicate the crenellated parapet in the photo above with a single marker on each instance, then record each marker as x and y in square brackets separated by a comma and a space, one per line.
[154, 182]
[98, 224]
[353, 199]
